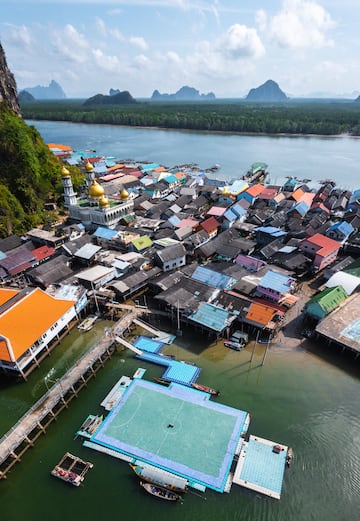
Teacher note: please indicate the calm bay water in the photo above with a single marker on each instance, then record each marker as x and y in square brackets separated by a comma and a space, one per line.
[305, 398]
[313, 158]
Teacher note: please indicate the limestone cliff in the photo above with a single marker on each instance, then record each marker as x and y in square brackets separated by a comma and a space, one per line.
[8, 90]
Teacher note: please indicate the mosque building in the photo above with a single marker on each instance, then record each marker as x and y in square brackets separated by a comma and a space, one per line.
[95, 208]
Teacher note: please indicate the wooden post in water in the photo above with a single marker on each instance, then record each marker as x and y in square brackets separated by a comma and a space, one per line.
[253, 351]
[266, 350]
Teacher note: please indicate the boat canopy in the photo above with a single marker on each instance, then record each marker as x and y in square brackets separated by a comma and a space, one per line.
[161, 476]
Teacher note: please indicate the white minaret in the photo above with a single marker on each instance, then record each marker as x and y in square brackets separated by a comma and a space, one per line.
[69, 194]
[90, 174]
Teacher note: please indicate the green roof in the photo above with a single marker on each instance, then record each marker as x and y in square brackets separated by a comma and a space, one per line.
[326, 301]
[141, 243]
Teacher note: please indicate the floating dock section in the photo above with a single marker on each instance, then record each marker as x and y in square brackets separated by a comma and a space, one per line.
[126, 344]
[261, 466]
[113, 397]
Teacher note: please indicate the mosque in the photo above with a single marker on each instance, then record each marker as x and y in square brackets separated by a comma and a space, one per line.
[95, 209]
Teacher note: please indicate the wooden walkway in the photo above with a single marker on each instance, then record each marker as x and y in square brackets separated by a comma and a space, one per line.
[34, 423]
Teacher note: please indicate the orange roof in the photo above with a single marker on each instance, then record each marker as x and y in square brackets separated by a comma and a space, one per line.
[298, 195]
[27, 320]
[308, 198]
[6, 294]
[260, 314]
[60, 147]
[255, 190]
[115, 167]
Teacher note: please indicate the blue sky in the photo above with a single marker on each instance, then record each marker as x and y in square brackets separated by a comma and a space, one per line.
[226, 47]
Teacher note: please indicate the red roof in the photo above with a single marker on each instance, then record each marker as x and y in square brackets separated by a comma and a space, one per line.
[210, 224]
[268, 193]
[326, 245]
[44, 252]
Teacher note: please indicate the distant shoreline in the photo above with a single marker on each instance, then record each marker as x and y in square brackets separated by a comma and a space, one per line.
[193, 131]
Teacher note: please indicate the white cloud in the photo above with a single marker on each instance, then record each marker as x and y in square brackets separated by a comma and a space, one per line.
[261, 19]
[71, 44]
[19, 36]
[139, 42]
[241, 42]
[301, 23]
[107, 63]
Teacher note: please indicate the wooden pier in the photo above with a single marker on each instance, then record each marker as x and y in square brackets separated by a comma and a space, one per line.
[36, 420]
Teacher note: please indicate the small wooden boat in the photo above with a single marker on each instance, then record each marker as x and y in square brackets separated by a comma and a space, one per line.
[162, 381]
[289, 457]
[205, 389]
[88, 323]
[160, 492]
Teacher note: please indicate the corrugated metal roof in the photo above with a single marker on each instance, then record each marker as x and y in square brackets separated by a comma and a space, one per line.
[87, 251]
[276, 281]
[211, 317]
[213, 278]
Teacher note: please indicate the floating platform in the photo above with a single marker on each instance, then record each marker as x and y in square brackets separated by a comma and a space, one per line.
[176, 429]
[261, 466]
[71, 469]
[116, 393]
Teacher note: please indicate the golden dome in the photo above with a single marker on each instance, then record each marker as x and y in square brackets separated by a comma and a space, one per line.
[124, 194]
[65, 172]
[104, 201]
[96, 190]
[89, 167]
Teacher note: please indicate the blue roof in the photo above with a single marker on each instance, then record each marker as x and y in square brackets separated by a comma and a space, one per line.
[276, 281]
[105, 233]
[149, 166]
[211, 316]
[170, 179]
[302, 208]
[343, 226]
[174, 220]
[213, 278]
[230, 215]
[271, 230]
[238, 210]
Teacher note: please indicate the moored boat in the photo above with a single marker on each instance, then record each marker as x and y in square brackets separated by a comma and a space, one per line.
[88, 323]
[162, 381]
[205, 389]
[160, 478]
[289, 457]
[160, 492]
[236, 346]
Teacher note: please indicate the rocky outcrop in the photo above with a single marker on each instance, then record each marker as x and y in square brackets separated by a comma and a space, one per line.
[8, 89]
[120, 98]
[267, 92]
[52, 91]
[183, 94]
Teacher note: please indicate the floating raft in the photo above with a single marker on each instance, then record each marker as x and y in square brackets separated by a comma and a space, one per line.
[116, 393]
[71, 469]
[261, 466]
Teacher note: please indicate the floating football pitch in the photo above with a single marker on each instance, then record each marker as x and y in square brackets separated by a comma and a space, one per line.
[177, 428]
